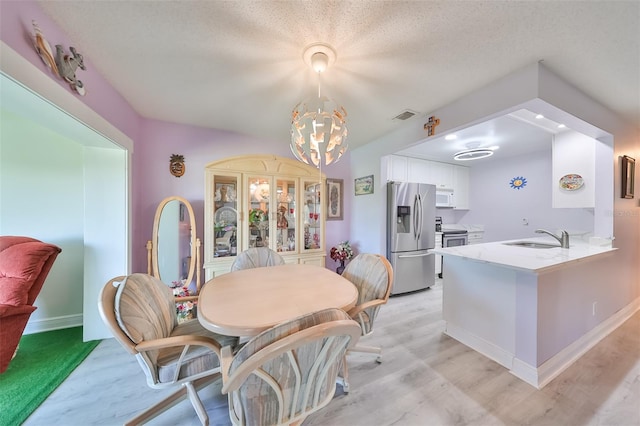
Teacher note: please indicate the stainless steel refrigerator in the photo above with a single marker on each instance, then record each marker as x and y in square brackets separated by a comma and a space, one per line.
[411, 218]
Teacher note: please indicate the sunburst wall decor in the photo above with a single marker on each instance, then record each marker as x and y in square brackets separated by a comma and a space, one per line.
[518, 182]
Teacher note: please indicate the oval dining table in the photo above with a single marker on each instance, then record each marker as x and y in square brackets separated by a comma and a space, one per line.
[246, 302]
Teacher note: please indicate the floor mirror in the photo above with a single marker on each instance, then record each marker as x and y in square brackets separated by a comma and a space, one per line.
[173, 254]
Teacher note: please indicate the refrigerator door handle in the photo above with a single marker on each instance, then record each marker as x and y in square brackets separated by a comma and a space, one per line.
[415, 217]
[415, 255]
[420, 222]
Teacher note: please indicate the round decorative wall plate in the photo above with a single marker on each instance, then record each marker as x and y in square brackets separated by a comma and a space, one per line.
[571, 182]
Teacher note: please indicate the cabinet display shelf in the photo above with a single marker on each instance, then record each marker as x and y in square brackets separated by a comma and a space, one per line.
[263, 201]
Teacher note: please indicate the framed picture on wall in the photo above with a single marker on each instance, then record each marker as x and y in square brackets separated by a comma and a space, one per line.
[335, 199]
[364, 185]
[628, 172]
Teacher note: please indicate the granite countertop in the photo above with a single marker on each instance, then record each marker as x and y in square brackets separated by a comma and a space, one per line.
[525, 258]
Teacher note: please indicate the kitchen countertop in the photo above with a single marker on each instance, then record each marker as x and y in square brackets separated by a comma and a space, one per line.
[525, 258]
[457, 226]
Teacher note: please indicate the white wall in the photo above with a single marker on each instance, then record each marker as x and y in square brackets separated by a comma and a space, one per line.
[31, 201]
[509, 213]
[100, 190]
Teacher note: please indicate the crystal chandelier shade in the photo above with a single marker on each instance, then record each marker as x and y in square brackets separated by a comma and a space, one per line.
[318, 125]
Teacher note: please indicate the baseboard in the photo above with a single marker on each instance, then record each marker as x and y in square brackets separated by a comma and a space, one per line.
[49, 324]
[488, 349]
[551, 368]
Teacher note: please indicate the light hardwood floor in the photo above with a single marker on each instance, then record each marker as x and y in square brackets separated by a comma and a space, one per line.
[426, 378]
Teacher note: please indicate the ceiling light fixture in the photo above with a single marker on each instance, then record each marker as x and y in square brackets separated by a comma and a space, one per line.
[472, 154]
[318, 125]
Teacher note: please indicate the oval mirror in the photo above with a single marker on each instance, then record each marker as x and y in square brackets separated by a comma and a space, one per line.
[174, 248]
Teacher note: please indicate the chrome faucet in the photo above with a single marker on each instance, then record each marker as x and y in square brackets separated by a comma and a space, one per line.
[563, 239]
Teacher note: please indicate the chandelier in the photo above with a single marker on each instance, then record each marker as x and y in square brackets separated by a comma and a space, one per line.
[318, 125]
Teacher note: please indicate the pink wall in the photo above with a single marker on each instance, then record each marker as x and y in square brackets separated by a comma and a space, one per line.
[16, 30]
[155, 141]
[199, 146]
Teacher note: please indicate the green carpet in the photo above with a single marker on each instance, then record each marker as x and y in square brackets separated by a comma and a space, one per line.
[43, 361]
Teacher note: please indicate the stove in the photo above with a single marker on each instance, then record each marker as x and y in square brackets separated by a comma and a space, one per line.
[453, 238]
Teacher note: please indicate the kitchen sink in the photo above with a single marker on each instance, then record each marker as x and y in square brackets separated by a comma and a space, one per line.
[532, 244]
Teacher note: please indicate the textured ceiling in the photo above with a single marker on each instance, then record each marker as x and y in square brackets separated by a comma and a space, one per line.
[237, 65]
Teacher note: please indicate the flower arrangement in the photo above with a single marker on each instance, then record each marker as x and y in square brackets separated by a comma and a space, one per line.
[185, 310]
[341, 252]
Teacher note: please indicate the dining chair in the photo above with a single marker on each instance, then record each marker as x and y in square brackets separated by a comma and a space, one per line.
[140, 312]
[289, 371]
[256, 257]
[372, 275]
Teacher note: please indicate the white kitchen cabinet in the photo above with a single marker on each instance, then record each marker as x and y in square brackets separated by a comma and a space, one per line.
[438, 260]
[461, 187]
[573, 159]
[397, 168]
[441, 174]
[418, 170]
[475, 237]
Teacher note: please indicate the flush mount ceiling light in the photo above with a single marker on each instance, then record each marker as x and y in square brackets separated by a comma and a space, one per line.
[318, 125]
[473, 152]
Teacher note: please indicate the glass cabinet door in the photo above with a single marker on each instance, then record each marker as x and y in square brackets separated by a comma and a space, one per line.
[225, 215]
[258, 198]
[286, 229]
[312, 215]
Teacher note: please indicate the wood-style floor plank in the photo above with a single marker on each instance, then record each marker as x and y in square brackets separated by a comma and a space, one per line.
[426, 378]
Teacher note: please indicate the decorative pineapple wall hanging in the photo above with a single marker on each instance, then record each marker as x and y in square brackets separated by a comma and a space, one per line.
[176, 165]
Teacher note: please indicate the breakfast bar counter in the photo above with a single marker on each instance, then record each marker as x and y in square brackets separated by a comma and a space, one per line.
[537, 260]
[533, 310]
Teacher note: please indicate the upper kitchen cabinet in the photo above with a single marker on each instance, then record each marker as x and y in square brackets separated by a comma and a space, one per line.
[574, 170]
[263, 201]
[397, 168]
[442, 175]
[461, 187]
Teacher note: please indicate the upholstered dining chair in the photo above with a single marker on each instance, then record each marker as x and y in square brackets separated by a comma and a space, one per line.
[289, 371]
[140, 311]
[256, 257]
[372, 275]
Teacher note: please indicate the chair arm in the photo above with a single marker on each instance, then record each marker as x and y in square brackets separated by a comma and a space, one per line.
[173, 341]
[10, 310]
[370, 304]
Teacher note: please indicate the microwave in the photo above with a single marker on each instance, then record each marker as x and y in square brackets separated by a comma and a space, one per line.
[444, 198]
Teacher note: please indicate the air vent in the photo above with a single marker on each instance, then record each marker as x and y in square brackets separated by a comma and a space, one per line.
[405, 115]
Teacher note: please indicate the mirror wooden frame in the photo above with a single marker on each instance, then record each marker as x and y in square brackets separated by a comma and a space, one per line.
[152, 246]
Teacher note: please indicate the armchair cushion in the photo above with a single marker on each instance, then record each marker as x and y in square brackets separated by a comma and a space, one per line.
[20, 266]
[143, 310]
[197, 359]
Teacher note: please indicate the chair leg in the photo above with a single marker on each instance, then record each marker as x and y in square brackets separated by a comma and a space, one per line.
[344, 380]
[173, 399]
[369, 349]
[197, 403]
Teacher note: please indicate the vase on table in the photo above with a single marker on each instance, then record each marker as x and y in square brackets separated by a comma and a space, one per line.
[340, 269]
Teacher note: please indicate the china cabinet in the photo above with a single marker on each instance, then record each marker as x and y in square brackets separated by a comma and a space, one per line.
[263, 201]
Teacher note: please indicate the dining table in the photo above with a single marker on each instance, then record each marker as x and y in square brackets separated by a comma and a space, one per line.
[246, 302]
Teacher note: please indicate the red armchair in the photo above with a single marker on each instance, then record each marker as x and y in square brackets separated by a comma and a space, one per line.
[24, 265]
